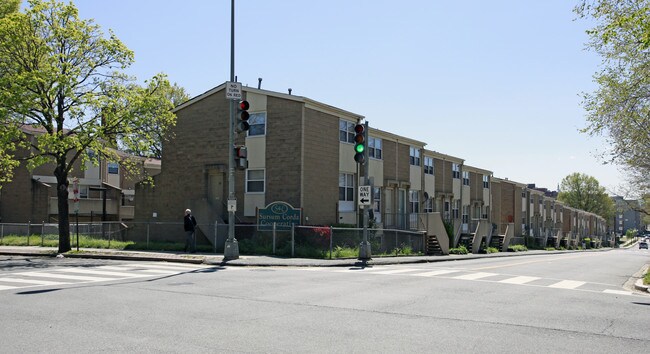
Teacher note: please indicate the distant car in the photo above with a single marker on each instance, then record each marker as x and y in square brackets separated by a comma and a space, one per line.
[643, 245]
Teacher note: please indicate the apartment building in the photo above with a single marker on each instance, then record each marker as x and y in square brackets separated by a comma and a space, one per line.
[104, 190]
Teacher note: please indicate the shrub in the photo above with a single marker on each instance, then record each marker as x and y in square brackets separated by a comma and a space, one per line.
[492, 250]
[517, 248]
[458, 250]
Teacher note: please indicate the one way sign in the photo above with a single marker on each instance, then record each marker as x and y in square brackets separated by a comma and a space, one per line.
[364, 195]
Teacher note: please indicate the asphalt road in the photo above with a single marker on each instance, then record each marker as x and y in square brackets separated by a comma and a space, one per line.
[565, 303]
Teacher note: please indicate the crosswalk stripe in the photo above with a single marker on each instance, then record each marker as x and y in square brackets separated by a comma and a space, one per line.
[519, 280]
[4, 287]
[436, 272]
[567, 284]
[175, 266]
[32, 281]
[618, 292]
[394, 271]
[97, 272]
[65, 276]
[137, 269]
[475, 276]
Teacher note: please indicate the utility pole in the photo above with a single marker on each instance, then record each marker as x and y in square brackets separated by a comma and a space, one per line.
[365, 248]
[231, 248]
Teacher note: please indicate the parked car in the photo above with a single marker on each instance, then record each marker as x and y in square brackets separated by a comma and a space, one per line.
[643, 245]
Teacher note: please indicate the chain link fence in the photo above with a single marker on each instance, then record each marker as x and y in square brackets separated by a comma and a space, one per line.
[298, 241]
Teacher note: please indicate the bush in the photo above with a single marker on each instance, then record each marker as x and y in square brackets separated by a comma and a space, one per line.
[517, 248]
[458, 250]
[492, 250]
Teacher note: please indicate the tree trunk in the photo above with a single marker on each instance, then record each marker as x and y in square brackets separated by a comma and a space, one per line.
[62, 201]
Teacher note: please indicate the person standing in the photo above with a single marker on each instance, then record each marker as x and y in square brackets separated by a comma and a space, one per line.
[190, 228]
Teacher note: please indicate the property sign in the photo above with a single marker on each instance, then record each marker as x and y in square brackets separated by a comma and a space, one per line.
[233, 91]
[364, 195]
[282, 214]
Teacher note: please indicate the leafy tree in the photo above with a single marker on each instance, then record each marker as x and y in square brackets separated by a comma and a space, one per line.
[8, 7]
[61, 75]
[619, 109]
[583, 192]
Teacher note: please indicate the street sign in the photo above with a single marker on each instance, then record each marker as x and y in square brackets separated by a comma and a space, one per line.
[364, 195]
[232, 205]
[233, 91]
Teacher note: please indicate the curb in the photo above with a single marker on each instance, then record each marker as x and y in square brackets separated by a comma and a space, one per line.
[640, 286]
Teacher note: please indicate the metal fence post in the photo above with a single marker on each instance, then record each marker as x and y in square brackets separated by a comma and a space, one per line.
[293, 239]
[29, 228]
[331, 238]
[109, 235]
[2, 232]
[215, 236]
[273, 238]
[42, 233]
[148, 224]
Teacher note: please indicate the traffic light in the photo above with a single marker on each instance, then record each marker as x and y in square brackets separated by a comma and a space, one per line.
[359, 144]
[241, 157]
[242, 117]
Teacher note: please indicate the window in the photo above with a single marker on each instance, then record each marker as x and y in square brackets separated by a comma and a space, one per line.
[376, 203]
[414, 156]
[428, 165]
[454, 211]
[486, 181]
[465, 214]
[414, 199]
[455, 170]
[346, 131]
[258, 124]
[466, 178]
[428, 206]
[113, 168]
[374, 148]
[254, 181]
[346, 187]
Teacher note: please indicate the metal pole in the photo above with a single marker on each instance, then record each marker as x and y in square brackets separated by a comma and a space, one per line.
[77, 230]
[364, 248]
[331, 242]
[231, 249]
[42, 233]
[274, 238]
[215, 236]
[293, 239]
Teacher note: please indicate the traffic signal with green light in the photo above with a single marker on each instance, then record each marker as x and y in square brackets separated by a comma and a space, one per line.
[359, 144]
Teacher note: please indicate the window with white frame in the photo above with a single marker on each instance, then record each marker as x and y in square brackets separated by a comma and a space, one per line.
[257, 123]
[465, 214]
[374, 148]
[414, 156]
[376, 203]
[455, 170]
[428, 165]
[486, 181]
[414, 199]
[346, 187]
[466, 178]
[428, 206]
[254, 181]
[456, 207]
[346, 131]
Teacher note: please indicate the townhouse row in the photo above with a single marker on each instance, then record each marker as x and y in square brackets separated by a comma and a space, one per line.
[300, 152]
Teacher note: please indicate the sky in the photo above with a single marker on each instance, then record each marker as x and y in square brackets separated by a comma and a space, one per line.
[498, 83]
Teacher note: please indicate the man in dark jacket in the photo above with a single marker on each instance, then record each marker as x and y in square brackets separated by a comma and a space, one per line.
[190, 226]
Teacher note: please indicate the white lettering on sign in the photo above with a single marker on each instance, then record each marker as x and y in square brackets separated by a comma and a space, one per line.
[233, 91]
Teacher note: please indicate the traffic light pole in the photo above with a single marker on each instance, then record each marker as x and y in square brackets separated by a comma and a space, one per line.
[231, 248]
[364, 247]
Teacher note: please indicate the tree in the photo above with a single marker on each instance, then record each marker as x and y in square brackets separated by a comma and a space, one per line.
[177, 95]
[583, 192]
[8, 7]
[60, 74]
[619, 109]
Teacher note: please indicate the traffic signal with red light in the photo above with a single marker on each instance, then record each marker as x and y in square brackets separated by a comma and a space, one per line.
[359, 144]
[242, 124]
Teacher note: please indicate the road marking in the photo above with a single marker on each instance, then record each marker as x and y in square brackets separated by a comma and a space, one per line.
[4, 287]
[618, 292]
[435, 272]
[64, 276]
[98, 272]
[567, 284]
[138, 269]
[394, 271]
[518, 280]
[475, 276]
[532, 261]
[32, 281]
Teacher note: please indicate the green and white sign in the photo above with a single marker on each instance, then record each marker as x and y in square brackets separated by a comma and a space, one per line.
[282, 214]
